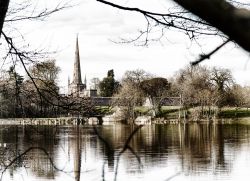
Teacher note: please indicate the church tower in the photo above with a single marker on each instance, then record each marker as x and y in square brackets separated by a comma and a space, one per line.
[77, 78]
[76, 87]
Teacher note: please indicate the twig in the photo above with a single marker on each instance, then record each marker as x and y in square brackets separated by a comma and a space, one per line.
[24, 153]
[207, 56]
[125, 147]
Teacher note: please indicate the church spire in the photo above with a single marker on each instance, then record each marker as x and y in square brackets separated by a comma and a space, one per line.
[77, 79]
[85, 81]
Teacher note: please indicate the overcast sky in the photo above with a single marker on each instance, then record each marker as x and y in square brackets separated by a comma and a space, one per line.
[98, 25]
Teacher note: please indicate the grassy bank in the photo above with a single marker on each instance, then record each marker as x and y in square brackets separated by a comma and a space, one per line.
[234, 113]
[172, 112]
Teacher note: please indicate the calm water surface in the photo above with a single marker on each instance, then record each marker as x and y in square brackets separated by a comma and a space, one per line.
[97, 153]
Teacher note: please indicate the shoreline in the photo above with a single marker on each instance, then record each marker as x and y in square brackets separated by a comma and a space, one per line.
[94, 121]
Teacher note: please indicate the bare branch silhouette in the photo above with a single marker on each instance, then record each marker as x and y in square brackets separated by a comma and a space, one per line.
[207, 56]
[125, 147]
[27, 151]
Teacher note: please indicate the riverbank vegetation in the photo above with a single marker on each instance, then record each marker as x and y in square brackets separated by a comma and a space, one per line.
[175, 112]
[195, 92]
[191, 93]
[38, 95]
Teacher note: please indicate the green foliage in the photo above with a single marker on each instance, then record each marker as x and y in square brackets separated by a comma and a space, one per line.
[111, 73]
[21, 98]
[11, 89]
[155, 87]
[234, 113]
[103, 110]
[108, 85]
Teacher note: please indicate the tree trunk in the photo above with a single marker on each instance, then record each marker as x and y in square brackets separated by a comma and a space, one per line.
[233, 22]
[4, 4]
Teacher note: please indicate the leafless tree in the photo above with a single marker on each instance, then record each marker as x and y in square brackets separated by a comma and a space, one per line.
[130, 94]
[207, 90]
[195, 88]
[246, 93]
[226, 19]
[222, 81]
[39, 91]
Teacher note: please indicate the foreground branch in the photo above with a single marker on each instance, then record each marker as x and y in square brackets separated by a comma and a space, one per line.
[181, 21]
[233, 22]
[212, 16]
[207, 56]
[4, 4]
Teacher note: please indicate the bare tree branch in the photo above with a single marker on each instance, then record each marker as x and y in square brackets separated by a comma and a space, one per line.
[24, 153]
[213, 17]
[41, 15]
[181, 21]
[84, 106]
[233, 22]
[207, 56]
[125, 147]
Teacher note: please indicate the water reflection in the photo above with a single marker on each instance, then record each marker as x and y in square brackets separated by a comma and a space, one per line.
[125, 152]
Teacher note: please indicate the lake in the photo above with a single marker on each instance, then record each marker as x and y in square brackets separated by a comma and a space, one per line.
[177, 152]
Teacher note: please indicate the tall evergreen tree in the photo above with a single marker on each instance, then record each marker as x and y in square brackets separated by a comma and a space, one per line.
[108, 85]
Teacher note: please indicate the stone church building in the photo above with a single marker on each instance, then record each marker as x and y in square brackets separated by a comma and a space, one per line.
[77, 88]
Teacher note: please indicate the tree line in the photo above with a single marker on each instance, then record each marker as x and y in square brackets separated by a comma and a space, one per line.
[203, 88]
[26, 97]
[206, 89]
[38, 95]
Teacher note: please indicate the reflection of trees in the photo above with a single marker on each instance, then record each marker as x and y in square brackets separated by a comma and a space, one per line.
[111, 151]
[197, 147]
[30, 147]
[43, 137]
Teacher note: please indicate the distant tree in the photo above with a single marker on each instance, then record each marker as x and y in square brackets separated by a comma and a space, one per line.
[196, 91]
[136, 76]
[155, 89]
[111, 73]
[222, 81]
[246, 93]
[235, 96]
[130, 94]
[108, 85]
[46, 71]
[127, 98]
[211, 88]
[194, 85]
[95, 83]
[42, 87]
[45, 75]
[11, 94]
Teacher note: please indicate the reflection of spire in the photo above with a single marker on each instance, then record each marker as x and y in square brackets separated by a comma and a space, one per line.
[77, 67]
[77, 154]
